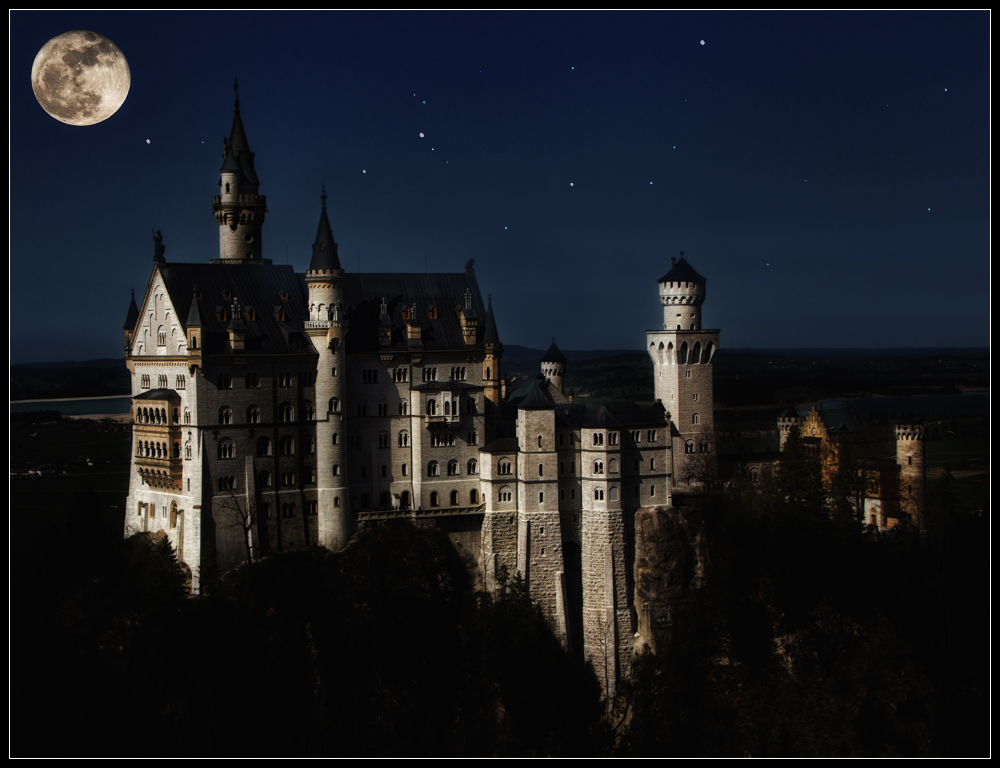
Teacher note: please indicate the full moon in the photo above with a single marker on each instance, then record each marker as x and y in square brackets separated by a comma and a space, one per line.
[80, 78]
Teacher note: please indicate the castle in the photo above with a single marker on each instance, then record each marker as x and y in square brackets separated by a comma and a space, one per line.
[273, 411]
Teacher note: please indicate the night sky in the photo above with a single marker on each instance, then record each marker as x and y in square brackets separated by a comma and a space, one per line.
[828, 173]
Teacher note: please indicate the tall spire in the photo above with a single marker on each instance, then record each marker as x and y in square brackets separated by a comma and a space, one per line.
[324, 252]
[237, 154]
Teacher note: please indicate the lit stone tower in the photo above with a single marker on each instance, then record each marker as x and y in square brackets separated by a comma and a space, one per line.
[912, 472]
[554, 366]
[326, 328]
[239, 210]
[682, 368]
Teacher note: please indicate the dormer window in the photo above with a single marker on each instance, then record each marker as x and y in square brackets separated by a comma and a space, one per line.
[432, 313]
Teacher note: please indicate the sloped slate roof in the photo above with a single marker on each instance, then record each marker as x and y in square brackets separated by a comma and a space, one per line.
[682, 272]
[259, 286]
[553, 355]
[363, 296]
[158, 394]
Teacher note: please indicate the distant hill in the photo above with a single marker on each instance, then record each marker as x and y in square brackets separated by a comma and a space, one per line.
[86, 378]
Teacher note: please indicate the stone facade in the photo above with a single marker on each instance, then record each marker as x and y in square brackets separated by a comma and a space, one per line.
[274, 411]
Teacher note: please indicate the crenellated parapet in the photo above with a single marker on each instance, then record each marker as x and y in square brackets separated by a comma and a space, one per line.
[910, 432]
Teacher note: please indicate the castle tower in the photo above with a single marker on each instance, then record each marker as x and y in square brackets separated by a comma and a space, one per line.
[554, 366]
[539, 532]
[607, 610]
[788, 420]
[682, 355]
[912, 473]
[326, 328]
[239, 210]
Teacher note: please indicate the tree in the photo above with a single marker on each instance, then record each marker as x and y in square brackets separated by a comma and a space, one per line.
[856, 452]
[239, 511]
[799, 478]
[700, 466]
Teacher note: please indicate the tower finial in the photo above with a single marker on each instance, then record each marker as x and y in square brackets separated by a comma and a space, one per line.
[323, 197]
[236, 88]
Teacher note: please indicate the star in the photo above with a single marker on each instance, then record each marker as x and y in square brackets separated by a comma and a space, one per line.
[421, 135]
[147, 141]
[702, 42]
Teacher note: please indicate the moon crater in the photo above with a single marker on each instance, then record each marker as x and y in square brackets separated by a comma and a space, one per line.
[80, 77]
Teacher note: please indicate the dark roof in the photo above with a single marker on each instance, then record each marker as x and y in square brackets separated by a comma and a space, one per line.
[681, 272]
[553, 355]
[444, 293]
[490, 335]
[609, 415]
[133, 315]
[536, 398]
[158, 394]
[324, 252]
[238, 157]
[194, 315]
[501, 445]
[258, 286]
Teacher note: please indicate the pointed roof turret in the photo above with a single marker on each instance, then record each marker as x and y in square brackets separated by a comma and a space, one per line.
[237, 156]
[553, 355]
[490, 335]
[194, 316]
[133, 315]
[681, 272]
[324, 255]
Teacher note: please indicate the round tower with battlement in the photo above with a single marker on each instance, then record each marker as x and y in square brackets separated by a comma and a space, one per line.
[554, 367]
[682, 355]
[912, 472]
[787, 421]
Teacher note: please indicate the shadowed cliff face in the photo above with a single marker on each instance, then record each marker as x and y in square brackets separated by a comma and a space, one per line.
[670, 561]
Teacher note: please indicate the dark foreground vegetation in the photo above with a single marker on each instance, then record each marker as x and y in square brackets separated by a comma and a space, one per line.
[808, 640]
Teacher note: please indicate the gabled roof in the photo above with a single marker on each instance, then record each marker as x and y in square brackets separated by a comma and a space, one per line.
[681, 272]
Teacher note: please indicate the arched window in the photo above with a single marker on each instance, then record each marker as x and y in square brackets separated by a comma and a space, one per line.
[695, 419]
[227, 450]
[264, 479]
[225, 415]
[598, 494]
[472, 467]
[263, 447]
[613, 466]
[432, 469]
[253, 415]
[404, 500]
[452, 467]
[383, 408]
[287, 413]
[598, 467]
[434, 498]
[505, 494]
[187, 450]
[334, 405]
[187, 416]
[362, 408]
[404, 438]
[598, 438]
[432, 408]
[454, 498]
[335, 470]
[404, 408]
[504, 467]
[689, 446]
[704, 446]
[287, 446]
[447, 407]
[473, 496]
[613, 493]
